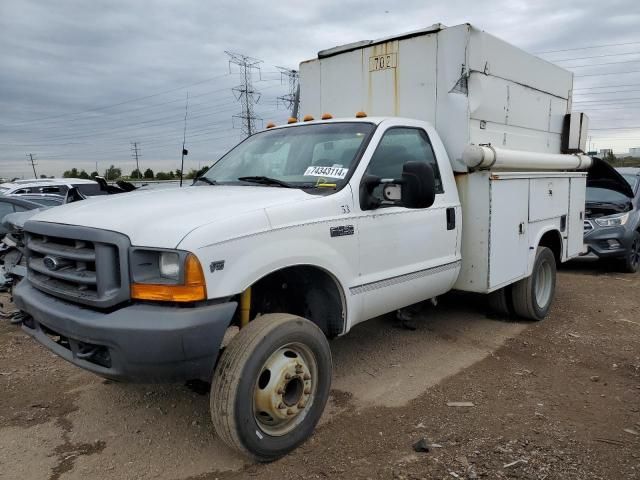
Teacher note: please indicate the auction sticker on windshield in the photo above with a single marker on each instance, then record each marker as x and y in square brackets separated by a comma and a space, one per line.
[333, 172]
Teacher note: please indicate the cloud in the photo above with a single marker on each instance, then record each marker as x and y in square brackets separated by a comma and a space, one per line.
[69, 56]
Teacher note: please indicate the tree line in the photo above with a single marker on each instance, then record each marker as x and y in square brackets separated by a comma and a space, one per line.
[114, 173]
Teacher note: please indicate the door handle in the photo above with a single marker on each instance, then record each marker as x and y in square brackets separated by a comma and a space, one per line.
[451, 218]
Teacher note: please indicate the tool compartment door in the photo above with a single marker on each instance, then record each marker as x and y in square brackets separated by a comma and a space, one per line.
[508, 247]
[575, 235]
[548, 198]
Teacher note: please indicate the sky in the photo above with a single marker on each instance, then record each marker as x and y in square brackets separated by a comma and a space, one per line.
[80, 81]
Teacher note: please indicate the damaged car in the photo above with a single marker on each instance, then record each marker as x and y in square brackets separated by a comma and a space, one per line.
[612, 216]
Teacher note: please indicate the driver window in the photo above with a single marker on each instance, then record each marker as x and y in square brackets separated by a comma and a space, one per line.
[397, 147]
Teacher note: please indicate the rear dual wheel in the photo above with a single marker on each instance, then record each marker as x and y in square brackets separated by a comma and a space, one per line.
[531, 297]
[271, 386]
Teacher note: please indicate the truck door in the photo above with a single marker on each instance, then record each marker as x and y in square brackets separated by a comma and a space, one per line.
[406, 255]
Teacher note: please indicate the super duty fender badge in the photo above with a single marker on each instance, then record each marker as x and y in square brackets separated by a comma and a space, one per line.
[217, 265]
[341, 230]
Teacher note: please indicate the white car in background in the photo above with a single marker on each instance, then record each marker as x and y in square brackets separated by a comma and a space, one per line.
[56, 186]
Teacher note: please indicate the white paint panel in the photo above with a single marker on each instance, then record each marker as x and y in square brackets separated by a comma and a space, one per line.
[575, 227]
[416, 78]
[548, 198]
[341, 92]
[310, 96]
[452, 112]
[474, 197]
[509, 248]
[496, 57]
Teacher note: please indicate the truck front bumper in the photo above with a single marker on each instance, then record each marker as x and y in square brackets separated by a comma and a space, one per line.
[139, 343]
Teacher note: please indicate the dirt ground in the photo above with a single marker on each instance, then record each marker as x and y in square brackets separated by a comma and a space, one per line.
[559, 399]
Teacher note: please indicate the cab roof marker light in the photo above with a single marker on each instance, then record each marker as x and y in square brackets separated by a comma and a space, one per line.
[292, 120]
[326, 116]
[270, 125]
[308, 118]
[361, 114]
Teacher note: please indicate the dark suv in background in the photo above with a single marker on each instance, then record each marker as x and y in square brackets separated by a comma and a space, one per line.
[612, 223]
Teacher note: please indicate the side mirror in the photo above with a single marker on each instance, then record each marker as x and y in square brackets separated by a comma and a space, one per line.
[418, 185]
[73, 195]
[367, 200]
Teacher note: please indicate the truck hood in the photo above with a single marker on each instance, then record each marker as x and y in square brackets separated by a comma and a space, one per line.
[162, 218]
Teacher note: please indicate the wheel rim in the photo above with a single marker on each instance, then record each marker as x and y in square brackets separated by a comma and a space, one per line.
[285, 389]
[543, 286]
[635, 254]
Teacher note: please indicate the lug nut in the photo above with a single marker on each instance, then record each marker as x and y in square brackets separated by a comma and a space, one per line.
[290, 412]
[307, 376]
[302, 405]
[280, 391]
[307, 391]
[281, 406]
[287, 376]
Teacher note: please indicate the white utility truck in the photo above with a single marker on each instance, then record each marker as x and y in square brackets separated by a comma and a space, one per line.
[462, 170]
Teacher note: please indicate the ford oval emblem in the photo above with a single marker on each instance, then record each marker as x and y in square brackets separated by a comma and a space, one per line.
[50, 262]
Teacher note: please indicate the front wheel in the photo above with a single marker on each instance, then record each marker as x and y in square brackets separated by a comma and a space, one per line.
[532, 297]
[631, 263]
[271, 386]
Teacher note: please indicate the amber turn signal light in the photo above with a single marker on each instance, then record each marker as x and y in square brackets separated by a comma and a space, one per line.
[327, 116]
[193, 289]
[308, 118]
[271, 125]
[360, 114]
[292, 120]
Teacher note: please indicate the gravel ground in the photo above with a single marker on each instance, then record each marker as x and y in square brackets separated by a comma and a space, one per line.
[559, 399]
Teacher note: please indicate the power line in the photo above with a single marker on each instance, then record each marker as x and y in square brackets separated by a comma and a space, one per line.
[608, 73]
[585, 48]
[605, 93]
[125, 101]
[601, 64]
[608, 86]
[594, 56]
[617, 128]
[615, 100]
[245, 93]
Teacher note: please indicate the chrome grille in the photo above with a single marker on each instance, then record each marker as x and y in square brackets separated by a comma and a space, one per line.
[84, 267]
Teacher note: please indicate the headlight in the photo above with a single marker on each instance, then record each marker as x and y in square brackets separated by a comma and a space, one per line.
[169, 265]
[166, 275]
[613, 220]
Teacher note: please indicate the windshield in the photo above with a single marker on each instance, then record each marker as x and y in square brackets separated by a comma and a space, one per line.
[316, 155]
[632, 179]
[604, 195]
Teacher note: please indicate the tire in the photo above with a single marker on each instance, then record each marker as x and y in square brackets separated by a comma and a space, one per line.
[271, 386]
[631, 263]
[532, 296]
[500, 302]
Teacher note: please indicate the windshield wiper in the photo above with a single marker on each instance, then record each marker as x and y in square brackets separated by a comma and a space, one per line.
[267, 181]
[205, 180]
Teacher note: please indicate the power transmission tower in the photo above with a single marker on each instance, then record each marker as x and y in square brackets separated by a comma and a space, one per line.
[135, 153]
[291, 100]
[33, 164]
[245, 93]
